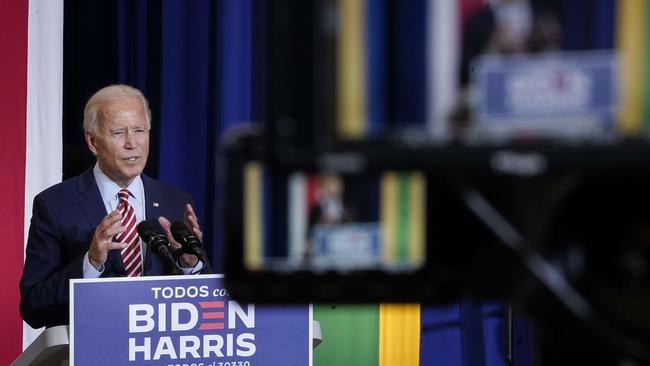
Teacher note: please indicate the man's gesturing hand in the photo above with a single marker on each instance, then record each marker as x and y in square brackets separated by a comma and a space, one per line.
[192, 222]
[102, 240]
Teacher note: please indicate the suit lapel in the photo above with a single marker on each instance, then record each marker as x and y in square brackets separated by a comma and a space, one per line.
[152, 199]
[92, 206]
[91, 202]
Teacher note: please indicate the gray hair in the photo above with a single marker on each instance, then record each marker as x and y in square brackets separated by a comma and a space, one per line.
[110, 93]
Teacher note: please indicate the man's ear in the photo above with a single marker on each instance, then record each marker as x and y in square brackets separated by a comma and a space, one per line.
[92, 142]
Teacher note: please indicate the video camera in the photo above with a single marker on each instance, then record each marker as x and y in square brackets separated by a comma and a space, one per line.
[547, 211]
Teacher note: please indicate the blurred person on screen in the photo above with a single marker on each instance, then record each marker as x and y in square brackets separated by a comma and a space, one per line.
[502, 27]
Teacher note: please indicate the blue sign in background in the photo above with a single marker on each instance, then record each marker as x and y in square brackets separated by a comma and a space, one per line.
[100, 333]
[492, 73]
[347, 246]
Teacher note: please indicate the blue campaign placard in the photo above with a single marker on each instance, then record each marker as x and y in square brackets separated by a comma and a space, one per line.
[181, 320]
[347, 246]
[546, 86]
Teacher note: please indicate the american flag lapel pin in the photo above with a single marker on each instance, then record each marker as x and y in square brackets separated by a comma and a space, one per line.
[156, 204]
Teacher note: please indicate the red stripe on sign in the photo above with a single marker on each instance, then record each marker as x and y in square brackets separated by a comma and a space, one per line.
[213, 315]
[13, 100]
[211, 304]
[211, 326]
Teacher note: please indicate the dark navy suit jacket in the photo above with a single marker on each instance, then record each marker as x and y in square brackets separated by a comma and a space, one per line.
[63, 222]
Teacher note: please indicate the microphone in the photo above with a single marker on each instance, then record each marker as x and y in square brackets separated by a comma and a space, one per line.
[190, 243]
[158, 243]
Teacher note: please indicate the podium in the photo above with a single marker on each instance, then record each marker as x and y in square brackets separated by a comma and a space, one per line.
[50, 348]
[173, 320]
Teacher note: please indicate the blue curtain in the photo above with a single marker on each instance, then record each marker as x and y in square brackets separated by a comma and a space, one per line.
[376, 65]
[474, 333]
[186, 121]
[407, 63]
[588, 27]
[194, 61]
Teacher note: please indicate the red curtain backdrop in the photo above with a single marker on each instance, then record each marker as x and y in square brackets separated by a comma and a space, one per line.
[13, 95]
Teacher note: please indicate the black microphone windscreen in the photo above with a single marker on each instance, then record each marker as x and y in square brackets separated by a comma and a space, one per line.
[181, 232]
[188, 240]
[146, 230]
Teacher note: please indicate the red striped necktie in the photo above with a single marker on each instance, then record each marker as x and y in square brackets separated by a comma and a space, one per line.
[131, 254]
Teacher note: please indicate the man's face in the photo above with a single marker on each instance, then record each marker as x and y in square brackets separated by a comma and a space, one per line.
[122, 143]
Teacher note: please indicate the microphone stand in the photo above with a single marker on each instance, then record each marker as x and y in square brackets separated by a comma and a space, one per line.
[203, 258]
[174, 269]
[170, 258]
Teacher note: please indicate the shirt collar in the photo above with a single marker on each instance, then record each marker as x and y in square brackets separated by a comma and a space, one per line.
[109, 189]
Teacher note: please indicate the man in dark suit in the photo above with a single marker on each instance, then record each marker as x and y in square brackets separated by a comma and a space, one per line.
[84, 227]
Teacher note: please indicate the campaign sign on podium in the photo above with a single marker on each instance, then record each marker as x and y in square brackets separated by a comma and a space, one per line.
[181, 320]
